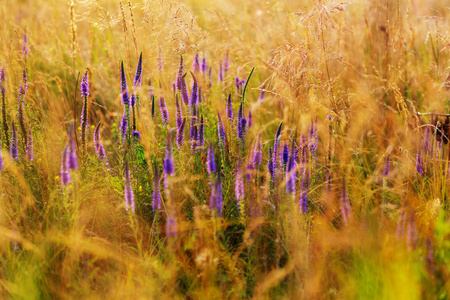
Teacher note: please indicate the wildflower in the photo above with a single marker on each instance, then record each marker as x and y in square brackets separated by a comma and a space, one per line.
[387, 166]
[419, 163]
[156, 195]
[194, 94]
[229, 108]
[84, 112]
[220, 131]
[72, 154]
[138, 75]
[85, 86]
[285, 155]
[168, 164]
[250, 119]
[242, 122]
[179, 114]
[291, 172]
[136, 136]
[196, 63]
[171, 226]
[304, 192]
[221, 73]
[261, 96]
[257, 155]
[204, 66]
[226, 63]
[13, 148]
[275, 145]
[270, 165]
[65, 174]
[210, 160]
[25, 45]
[163, 110]
[180, 133]
[313, 138]
[200, 138]
[216, 201]
[129, 196]
[193, 131]
[124, 127]
[239, 187]
[153, 107]
[124, 87]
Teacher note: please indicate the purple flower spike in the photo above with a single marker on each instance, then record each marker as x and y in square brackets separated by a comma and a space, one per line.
[171, 226]
[196, 63]
[124, 127]
[180, 134]
[84, 110]
[204, 67]
[65, 174]
[271, 165]
[136, 136]
[229, 108]
[72, 156]
[242, 129]
[201, 130]
[85, 86]
[387, 166]
[124, 87]
[180, 75]
[304, 191]
[13, 148]
[257, 156]
[163, 110]
[242, 123]
[291, 172]
[129, 196]
[179, 113]
[285, 154]
[221, 75]
[419, 163]
[210, 160]
[193, 131]
[156, 195]
[153, 107]
[138, 76]
[168, 164]
[250, 119]
[25, 81]
[261, 95]
[221, 131]
[216, 201]
[275, 145]
[313, 137]
[226, 63]
[29, 150]
[239, 187]
[25, 45]
[194, 94]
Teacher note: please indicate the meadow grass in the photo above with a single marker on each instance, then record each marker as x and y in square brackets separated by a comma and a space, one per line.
[324, 176]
